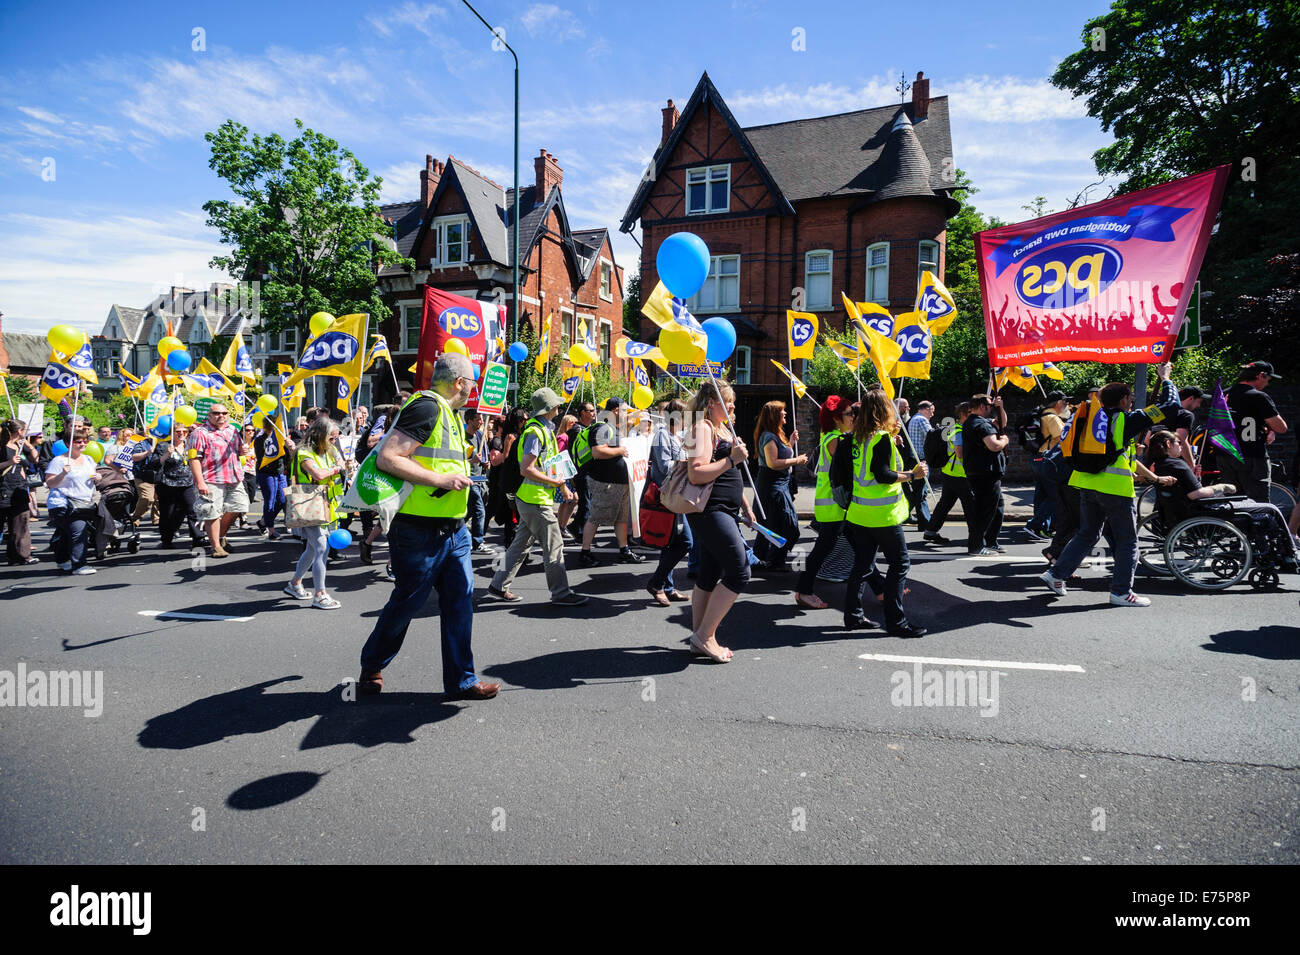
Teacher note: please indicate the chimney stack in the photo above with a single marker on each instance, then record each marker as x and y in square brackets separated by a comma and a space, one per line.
[671, 116]
[429, 177]
[549, 174]
[920, 97]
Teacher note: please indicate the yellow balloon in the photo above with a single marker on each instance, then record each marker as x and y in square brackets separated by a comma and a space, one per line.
[66, 339]
[185, 415]
[95, 451]
[580, 356]
[642, 396]
[679, 348]
[168, 345]
[320, 321]
[455, 345]
[258, 419]
[267, 404]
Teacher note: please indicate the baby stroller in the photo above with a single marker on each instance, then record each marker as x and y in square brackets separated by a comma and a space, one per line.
[117, 500]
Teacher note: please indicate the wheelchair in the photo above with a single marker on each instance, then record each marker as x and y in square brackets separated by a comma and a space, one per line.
[1213, 546]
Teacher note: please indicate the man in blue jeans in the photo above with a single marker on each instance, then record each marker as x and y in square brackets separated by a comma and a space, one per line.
[428, 538]
[478, 454]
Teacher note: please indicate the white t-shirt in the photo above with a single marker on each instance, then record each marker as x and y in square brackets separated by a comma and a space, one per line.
[77, 486]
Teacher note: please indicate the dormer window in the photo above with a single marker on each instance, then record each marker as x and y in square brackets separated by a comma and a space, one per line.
[708, 190]
[450, 241]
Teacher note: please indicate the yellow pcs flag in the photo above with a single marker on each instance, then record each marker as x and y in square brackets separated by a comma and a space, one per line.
[937, 303]
[799, 388]
[883, 352]
[291, 396]
[58, 380]
[272, 448]
[869, 315]
[846, 353]
[570, 378]
[237, 362]
[912, 334]
[1047, 370]
[800, 333]
[639, 374]
[339, 351]
[1018, 375]
[543, 348]
[672, 314]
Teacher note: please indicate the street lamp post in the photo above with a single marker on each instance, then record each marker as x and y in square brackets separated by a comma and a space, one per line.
[514, 255]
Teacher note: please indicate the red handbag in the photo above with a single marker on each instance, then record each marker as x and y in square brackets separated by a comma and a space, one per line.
[657, 521]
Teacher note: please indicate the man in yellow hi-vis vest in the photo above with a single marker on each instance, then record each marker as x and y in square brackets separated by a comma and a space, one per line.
[428, 538]
[1106, 495]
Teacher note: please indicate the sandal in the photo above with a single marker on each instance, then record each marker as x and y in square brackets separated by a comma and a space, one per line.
[807, 602]
[326, 602]
[698, 646]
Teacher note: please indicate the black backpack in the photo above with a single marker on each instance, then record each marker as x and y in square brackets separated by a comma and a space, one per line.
[841, 471]
[935, 450]
[1029, 428]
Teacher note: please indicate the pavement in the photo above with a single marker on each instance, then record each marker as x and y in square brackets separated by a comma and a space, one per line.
[1168, 734]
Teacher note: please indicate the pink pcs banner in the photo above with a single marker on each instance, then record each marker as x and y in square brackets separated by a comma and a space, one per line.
[1108, 281]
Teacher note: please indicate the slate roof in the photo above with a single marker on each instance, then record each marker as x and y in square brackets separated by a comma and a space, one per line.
[130, 319]
[26, 351]
[406, 226]
[589, 243]
[865, 153]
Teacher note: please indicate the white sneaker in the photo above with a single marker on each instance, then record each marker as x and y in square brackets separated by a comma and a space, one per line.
[1057, 586]
[1130, 599]
[83, 571]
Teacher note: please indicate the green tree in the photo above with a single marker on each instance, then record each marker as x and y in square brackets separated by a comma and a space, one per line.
[632, 306]
[1186, 85]
[1037, 208]
[305, 221]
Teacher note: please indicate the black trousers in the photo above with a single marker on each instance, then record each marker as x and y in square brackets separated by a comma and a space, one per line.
[867, 542]
[954, 489]
[985, 520]
[177, 505]
[1066, 522]
[580, 515]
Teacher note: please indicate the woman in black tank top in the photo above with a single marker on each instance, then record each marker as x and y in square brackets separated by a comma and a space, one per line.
[714, 456]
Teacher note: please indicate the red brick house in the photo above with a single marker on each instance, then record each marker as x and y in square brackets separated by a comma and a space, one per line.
[460, 235]
[854, 202]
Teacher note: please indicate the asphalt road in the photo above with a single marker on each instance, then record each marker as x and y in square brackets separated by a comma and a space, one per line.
[1161, 735]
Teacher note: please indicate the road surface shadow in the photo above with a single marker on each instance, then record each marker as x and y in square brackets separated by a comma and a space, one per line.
[364, 721]
[1268, 643]
[572, 668]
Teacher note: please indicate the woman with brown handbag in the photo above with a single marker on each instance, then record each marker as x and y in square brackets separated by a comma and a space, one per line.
[713, 457]
[317, 462]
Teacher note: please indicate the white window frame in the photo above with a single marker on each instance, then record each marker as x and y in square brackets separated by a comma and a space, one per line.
[708, 175]
[605, 344]
[439, 257]
[743, 368]
[873, 294]
[407, 312]
[568, 326]
[819, 306]
[606, 280]
[714, 277]
[922, 259]
[289, 340]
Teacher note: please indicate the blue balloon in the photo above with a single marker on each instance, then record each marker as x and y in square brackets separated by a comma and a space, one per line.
[473, 370]
[179, 360]
[683, 263]
[340, 539]
[162, 427]
[518, 351]
[722, 339]
[59, 448]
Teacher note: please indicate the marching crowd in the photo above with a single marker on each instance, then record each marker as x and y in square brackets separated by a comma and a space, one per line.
[551, 474]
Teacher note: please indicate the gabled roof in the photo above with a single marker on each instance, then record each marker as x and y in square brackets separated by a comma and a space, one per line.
[485, 200]
[877, 154]
[26, 351]
[131, 321]
[589, 242]
[405, 217]
[705, 91]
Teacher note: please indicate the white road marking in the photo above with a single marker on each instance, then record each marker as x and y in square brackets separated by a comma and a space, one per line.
[181, 615]
[986, 664]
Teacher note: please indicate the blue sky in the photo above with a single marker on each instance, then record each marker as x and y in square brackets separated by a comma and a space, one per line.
[103, 107]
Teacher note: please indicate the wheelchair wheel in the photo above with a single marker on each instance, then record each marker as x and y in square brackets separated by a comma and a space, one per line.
[1151, 534]
[1146, 502]
[1207, 553]
[1262, 579]
[1280, 496]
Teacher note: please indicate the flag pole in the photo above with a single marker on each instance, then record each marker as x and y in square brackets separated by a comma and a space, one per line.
[744, 465]
[5, 385]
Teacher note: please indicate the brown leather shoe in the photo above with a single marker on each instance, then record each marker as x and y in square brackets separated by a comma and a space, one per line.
[479, 691]
[679, 597]
[218, 553]
[658, 596]
[370, 683]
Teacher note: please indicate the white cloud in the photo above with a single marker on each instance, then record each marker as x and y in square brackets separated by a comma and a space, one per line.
[547, 19]
[42, 115]
[133, 256]
[415, 16]
[1011, 99]
[401, 182]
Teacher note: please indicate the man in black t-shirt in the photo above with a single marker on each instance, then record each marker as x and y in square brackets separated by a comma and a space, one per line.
[984, 443]
[607, 483]
[1258, 424]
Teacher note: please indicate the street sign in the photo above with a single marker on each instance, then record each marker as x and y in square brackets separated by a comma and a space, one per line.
[699, 371]
[1189, 335]
[494, 388]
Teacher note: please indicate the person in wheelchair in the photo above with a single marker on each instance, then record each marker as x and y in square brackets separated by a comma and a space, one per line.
[1188, 498]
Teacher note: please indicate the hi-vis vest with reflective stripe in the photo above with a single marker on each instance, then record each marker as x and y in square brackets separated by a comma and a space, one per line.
[824, 507]
[1117, 477]
[444, 452]
[582, 446]
[955, 466]
[531, 492]
[875, 504]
